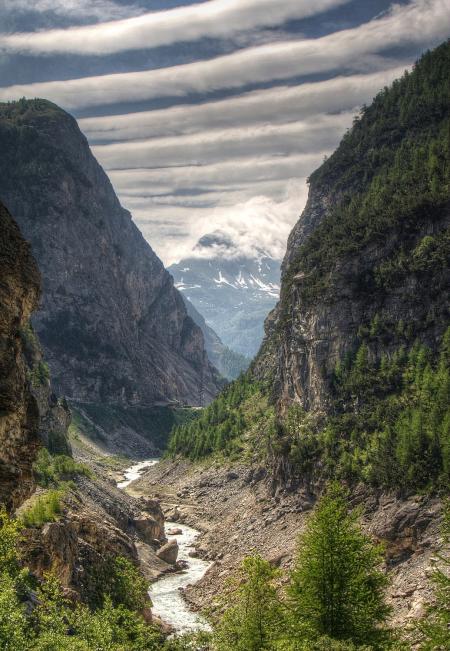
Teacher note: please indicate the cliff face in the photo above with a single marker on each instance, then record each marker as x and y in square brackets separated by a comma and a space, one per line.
[112, 326]
[367, 262]
[19, 414]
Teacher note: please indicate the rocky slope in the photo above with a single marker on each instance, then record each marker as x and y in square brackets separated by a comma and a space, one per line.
[19, 415]
[370, 250]
[232, 291]
[98, 522]
[238, 514]
[226, 361]
[112, 326]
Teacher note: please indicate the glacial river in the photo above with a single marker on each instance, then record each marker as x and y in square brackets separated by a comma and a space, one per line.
[168, 602]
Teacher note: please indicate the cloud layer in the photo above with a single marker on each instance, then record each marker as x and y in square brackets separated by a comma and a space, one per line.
[239, 132]
[216, 18]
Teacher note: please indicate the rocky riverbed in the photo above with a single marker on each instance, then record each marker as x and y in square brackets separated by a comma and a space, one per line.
[238, 512]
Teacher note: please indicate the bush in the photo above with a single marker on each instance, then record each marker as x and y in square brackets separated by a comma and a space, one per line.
[43, 508]
[50, 470]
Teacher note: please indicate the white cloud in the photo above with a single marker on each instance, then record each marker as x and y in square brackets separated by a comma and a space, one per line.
[259, 222]
[216, 18]
[318, 133]
[86, 9]
[421, 22]
[275, 105]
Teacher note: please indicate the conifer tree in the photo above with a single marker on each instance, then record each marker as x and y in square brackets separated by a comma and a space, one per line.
[254, 620]
[336, 587]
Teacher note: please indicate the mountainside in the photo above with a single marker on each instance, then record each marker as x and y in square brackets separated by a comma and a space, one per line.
[231, 291]
[112, 326]
[352, 380]
[19, 415]
[225, 360]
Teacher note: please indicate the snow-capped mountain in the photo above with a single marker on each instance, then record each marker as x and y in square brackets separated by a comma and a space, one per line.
[232, 291]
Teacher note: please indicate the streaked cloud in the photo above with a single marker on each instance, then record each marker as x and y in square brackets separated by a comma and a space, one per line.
[213, 146]
[272, 106]
[87, 9]
[216, 18]
[422, 21]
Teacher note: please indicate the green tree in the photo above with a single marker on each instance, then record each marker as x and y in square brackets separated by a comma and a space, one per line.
[435, 629]
[254, 621]
[336, 587]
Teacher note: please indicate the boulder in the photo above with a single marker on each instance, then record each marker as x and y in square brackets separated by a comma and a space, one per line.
[176, 531]
[168, 552]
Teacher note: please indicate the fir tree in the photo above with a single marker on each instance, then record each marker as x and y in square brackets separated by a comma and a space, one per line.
[336, 587]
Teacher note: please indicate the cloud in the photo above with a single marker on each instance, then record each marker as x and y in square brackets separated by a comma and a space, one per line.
[275, 105]
[421, 22]
[216, 18]
[261, 222]
[318, 133]
[86, 9]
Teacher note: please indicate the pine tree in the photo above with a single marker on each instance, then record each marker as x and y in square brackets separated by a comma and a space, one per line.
[254, 620]
[336, 587]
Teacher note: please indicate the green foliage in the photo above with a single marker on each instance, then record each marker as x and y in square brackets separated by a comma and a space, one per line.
[435, 629]
[255, 620]
[237, 414]
[55, 623]
[124, 584]
[390, 172]
[51, 470]
[392, 419]
[337, 587]
[46, 507]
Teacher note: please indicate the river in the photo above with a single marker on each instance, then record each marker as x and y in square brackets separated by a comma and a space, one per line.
[168, 602]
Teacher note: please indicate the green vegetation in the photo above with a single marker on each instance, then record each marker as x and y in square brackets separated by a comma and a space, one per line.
[392, 419]
[51, 470]
[435, 629]
[389, 425]
[334, 598]
[45, 507]
[52, 623]
[389, 174]
[228, 426]
[337, 587]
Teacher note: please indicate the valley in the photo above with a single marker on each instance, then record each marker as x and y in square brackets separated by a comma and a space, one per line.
[233, 453]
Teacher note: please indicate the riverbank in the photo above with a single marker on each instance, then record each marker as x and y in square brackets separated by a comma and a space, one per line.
[234, 508]
[166, 591]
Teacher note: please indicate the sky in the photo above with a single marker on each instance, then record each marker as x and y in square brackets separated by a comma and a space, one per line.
[211, 115]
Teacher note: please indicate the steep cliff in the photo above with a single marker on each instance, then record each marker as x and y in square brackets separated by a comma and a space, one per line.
[112, 326]
[356, 359]
[19, 414]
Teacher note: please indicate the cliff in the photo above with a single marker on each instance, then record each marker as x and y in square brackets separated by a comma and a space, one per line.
[352, 380]
[112, 326]
[19, 414]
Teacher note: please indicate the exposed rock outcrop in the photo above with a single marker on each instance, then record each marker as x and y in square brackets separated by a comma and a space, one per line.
[19, 414]
[113, 327]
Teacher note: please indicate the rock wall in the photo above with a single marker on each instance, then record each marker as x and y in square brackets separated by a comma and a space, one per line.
[112, 326]
[19, 414]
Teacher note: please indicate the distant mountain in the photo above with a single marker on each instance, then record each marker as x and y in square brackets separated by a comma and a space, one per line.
[234, 292]
[229, 363]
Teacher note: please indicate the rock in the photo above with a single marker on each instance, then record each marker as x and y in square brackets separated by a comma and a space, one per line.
[169, 552]
[149, 529]
[116, 332]
[19, 413]
[174, 532]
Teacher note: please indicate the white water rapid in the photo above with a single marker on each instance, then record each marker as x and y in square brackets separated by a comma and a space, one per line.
[168, 602]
